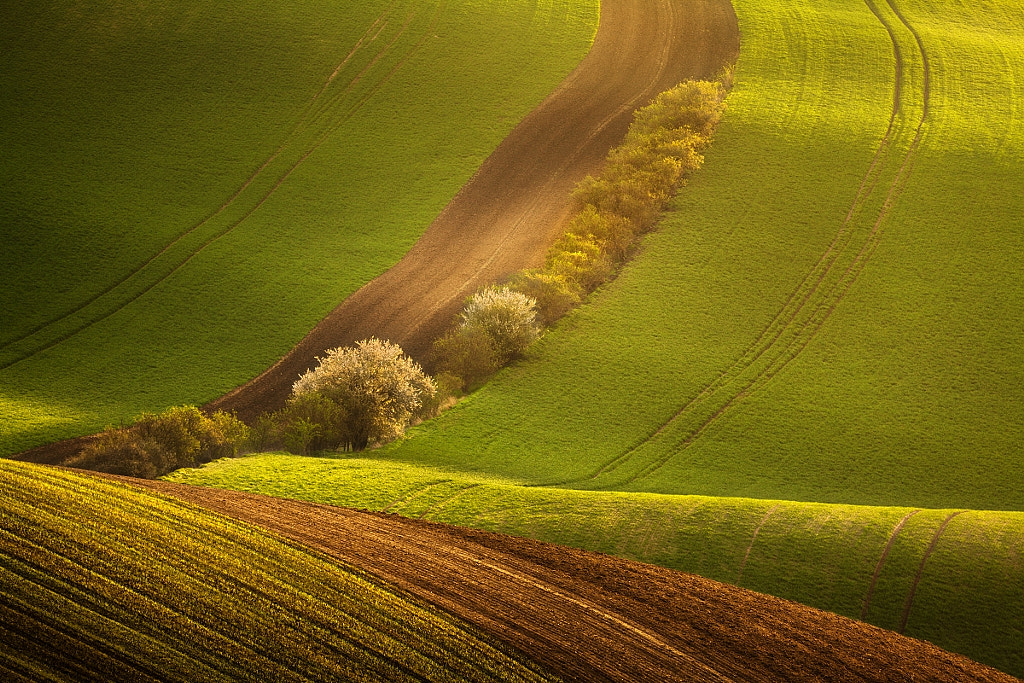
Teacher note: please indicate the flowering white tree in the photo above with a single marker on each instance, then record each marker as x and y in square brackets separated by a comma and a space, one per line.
[376, 386]
[507, 317]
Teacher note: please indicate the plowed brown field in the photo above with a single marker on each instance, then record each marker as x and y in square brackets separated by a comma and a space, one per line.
[505, 218]
[593, 617]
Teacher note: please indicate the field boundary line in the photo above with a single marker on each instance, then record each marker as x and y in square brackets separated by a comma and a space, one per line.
[881, 561]
[920, 569]
[764, 519]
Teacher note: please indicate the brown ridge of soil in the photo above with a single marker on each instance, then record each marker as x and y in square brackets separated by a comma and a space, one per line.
[593, 617]
[509, 213]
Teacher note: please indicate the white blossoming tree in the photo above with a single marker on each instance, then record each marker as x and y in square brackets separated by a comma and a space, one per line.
[507, 317]
[376, 387]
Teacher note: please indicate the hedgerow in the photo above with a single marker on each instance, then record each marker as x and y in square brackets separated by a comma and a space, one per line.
[640, 176]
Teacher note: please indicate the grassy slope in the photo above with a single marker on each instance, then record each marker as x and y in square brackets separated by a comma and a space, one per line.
[123, 130]
[968, 599]
[914, 376]
[913, 379]
[102, 582]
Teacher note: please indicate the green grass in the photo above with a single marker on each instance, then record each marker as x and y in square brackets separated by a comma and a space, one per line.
[968, 600]
[739, 355]
[99, 581]
[130, 281]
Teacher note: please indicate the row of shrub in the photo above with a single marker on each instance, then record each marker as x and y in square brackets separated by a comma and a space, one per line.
[663, 145]
[182, 436]
[368, 394]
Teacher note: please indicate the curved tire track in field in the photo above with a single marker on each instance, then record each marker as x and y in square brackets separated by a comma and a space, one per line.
[881, 562]
[593, 617]
[314, 112]
[813, 301]
[746, 555]
[506, 216]
[920, 569]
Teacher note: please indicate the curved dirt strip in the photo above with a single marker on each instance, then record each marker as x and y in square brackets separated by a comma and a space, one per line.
[505, 218]
[592, 617]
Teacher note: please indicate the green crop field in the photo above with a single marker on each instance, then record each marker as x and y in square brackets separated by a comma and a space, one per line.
[187, 188]
[99, 581]
[968, 598]
[810, 381]
[833, 312]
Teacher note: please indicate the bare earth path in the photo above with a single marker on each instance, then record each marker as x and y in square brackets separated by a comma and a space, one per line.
[594, 617]
[508, 214]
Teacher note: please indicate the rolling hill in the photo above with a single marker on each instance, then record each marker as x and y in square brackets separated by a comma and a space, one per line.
[189, 188]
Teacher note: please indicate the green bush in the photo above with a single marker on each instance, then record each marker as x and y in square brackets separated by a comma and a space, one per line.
[182, 436]
[466, 353]
[554, 293]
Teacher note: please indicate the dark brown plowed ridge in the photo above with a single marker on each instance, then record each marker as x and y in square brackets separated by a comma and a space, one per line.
[505, 218]
[593, 617]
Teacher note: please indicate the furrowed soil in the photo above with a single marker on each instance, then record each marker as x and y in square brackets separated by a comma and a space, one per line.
[588, 616]
[507, 216]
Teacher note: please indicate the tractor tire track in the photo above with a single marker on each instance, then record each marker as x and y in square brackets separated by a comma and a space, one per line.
[746, 555]
[307, 122]
[586, 616]
[415, 493]
[881, 561]
[920, 569]
[818, 302]
[429, 512]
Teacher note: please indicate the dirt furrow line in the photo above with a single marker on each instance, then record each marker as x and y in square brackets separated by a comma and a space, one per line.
[593, 617]
[881, 562]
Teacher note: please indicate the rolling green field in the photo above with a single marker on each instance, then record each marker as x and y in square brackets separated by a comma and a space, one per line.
[968, 598]
[810, 381]
[99, 581]
[833, 312]
[188, 188]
